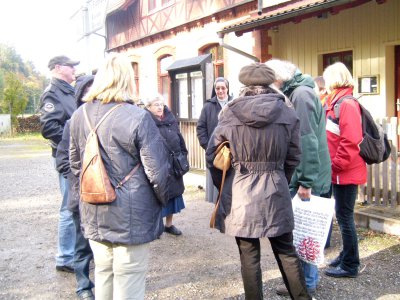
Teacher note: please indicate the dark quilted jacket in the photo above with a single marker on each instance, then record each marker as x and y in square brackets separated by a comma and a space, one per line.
[128, 136]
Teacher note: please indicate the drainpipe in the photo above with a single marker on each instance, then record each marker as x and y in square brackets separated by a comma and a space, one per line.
[238, 51]
[259, 7]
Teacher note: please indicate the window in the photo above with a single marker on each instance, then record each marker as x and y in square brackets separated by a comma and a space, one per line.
[190, 94]
[135, 67]
[196, 84]
[152, 4]
[157, 4]
[164, 80]
[217, 58]
[345, 57]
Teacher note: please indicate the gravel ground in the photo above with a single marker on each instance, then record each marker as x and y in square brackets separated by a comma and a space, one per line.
[200, 264]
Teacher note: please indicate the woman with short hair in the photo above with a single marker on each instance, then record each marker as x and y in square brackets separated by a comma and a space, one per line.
[169, 129]
[349, 170]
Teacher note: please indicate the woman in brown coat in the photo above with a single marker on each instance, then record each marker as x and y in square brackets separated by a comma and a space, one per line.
[263, 133]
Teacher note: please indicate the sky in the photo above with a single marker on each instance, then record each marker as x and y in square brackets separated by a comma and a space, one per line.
[40, 29]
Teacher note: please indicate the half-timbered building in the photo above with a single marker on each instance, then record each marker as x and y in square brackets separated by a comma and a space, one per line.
[178, 47]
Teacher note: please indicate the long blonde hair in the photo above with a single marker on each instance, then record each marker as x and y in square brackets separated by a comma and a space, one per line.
[114, 81]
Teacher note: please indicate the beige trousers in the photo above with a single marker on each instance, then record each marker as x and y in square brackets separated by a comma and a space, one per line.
[120, 270]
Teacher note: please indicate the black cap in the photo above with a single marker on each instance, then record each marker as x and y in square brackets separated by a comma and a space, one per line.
[63, 61]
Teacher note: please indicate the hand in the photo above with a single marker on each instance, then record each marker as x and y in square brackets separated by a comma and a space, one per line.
[304, 193]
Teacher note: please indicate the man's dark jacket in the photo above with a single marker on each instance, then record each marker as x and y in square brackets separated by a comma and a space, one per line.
[56, 107]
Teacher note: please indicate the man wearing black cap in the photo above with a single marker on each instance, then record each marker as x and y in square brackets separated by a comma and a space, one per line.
[57, 105]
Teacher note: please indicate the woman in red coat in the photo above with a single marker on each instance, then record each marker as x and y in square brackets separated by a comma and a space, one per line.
[349, 170]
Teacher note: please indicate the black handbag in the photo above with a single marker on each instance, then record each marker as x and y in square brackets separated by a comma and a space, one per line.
[180, 164]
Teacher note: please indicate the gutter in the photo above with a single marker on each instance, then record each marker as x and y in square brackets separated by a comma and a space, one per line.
[285, 15]
[238, 51]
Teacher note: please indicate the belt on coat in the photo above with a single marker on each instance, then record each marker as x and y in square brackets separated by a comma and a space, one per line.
[243, 166]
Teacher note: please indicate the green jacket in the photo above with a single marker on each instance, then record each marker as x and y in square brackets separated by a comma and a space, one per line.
[314, 170]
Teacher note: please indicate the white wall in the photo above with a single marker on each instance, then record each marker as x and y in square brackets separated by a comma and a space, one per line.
[5, 124]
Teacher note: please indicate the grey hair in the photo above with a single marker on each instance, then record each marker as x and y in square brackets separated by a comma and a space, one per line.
[257, 90]
[284, 70]
[153, 98]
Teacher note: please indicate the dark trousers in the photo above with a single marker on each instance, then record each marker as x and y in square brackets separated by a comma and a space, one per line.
[345, 199]
[82, 258]
[328, 240]
[288, 263]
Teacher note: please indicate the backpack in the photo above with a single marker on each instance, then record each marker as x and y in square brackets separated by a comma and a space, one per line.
[95, 185]
[375, 147]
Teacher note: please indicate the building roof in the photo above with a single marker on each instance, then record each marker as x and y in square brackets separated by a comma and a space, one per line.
[293, 11]
[114, 5]
[189, 62]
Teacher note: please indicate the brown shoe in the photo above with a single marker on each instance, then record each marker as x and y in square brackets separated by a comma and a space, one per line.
[282, 290]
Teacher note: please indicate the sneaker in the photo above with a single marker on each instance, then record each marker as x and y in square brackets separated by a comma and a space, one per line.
[335, 262]
[172, 230]
[281, 290]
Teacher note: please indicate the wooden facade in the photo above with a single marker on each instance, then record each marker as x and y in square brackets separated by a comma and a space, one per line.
[371, 31]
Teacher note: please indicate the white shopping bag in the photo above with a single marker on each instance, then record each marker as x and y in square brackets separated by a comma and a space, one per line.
[312, 220]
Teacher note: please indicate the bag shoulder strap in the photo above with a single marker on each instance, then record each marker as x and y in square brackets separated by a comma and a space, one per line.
[126, 178]
[336, 107]
[101, 120]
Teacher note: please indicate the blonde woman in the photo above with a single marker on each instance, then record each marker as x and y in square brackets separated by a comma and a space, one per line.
[349, 170]
[119, 232]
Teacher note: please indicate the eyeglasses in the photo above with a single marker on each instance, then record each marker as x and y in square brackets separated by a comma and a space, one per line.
[158, 105]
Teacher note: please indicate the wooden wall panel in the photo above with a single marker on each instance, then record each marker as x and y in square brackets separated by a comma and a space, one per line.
[368, 30]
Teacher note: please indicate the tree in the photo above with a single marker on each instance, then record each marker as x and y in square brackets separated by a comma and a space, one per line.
[20, 84]
[14, 96]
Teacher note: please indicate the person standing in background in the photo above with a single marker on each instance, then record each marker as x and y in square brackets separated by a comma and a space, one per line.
[83, 252]
[313, 174]
[57, 104]
[169, 129]
[208, 121]
[348, 168]
[321, 91]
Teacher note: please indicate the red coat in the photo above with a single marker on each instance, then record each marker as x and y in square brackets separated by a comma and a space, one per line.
[344, 138]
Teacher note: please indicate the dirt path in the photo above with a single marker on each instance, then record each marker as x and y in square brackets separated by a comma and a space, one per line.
[200, 264]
